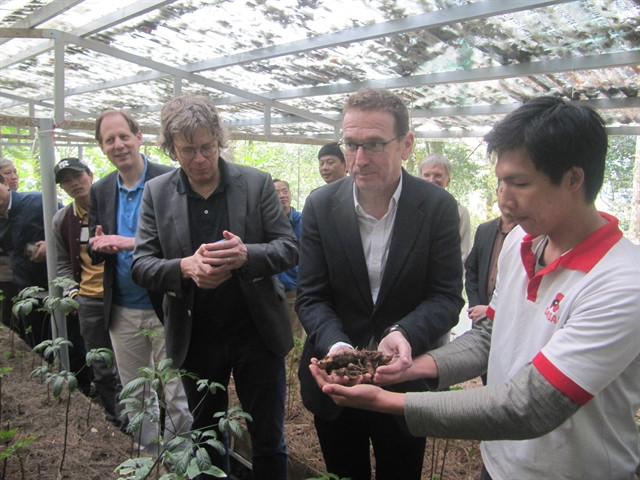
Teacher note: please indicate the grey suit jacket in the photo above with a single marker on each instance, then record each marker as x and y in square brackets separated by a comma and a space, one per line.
[103, 210]
[478, 262]
[421, 286]
[256, 216]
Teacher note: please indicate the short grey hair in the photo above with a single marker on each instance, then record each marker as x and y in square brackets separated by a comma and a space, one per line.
[434, 160]
[5, 161]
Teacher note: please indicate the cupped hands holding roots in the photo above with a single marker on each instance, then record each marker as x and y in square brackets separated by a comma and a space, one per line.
[340, 378]
[355, 392]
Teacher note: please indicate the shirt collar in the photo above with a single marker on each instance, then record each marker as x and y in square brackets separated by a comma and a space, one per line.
[79, 211]
[583, 256]
[393, 201]
[140, 183]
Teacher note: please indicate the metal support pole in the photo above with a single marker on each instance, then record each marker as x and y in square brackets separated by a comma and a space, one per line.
[49, 207]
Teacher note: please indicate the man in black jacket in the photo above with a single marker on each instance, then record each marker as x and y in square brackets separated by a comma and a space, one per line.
[379, 268]
[481, 266]
[128, 309]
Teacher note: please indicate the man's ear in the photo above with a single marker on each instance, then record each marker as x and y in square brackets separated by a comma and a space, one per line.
[575, 178]
[408, 140]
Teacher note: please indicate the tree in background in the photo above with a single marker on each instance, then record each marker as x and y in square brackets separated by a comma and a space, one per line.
[616, 196]
[473, 182]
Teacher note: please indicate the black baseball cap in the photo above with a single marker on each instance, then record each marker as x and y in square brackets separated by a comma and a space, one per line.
[69, 164]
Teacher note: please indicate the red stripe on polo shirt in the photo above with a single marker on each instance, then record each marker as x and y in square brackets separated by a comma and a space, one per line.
[560, 381]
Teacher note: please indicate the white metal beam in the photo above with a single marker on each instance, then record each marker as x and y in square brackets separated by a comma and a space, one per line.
[119, 16]
[43, 14]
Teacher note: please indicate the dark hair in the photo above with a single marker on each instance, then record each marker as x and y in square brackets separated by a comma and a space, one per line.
[1, 179]
[380, 100]
[331, 149]
[184, 115]
[557, 136]
[282, 181]
[133, 125]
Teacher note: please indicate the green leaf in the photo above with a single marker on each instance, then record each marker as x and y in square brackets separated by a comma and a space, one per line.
[58, 385]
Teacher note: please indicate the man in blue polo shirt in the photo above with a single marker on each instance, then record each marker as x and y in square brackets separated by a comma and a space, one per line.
[129, 309]
[289, 278]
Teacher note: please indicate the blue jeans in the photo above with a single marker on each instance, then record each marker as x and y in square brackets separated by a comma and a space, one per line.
[260, 381]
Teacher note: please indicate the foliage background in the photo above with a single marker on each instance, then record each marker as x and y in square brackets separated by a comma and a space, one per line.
[473, 182]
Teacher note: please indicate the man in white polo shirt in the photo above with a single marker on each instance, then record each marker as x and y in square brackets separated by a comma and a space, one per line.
[561, 339]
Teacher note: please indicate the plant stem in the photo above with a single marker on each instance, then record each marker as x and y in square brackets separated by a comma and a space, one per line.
[66, 431]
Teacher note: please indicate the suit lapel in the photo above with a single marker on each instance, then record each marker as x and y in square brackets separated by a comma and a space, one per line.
[111, 206]
[409, 219]
[345, 225]
[178, 205]
[236, 202]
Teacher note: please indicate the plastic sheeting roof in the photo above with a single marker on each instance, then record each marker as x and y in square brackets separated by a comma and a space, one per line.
[279, 70]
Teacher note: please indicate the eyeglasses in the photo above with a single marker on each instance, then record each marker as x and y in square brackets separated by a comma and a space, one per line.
[189, 153]
[371, 148]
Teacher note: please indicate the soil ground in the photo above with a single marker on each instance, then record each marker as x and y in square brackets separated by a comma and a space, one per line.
[94, 447]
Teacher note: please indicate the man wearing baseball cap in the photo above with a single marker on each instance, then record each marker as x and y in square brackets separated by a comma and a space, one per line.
[71, 232]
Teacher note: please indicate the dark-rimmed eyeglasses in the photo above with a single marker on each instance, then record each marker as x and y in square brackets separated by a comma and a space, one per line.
[371, 148]
[206, 150]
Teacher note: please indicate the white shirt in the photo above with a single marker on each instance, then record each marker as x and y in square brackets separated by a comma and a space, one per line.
[376, 238]
[577, 321]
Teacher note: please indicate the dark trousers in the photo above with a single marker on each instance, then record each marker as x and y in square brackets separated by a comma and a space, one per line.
[9, 290]
[96, 335]
[485, 475]
[345, 444]
[260, 381]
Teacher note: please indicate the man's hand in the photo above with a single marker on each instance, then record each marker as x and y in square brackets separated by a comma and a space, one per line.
[40, 255]
[342, 379]
[212, 263]
[365, 396]
[396, 345]
[477, 312]
[111, 244]
[229, 253]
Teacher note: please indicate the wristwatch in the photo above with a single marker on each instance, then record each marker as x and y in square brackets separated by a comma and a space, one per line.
[395, 328]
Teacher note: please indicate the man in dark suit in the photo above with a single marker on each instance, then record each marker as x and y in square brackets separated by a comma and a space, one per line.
[211, 238]
[128, 308]
[481, 266]
[380, 268]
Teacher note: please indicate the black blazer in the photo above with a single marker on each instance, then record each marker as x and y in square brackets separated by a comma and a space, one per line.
[478, 263]
[256, 216]
[421, 286]
[103, 211]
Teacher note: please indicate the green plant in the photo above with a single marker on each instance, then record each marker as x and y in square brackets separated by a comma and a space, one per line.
[102, 355]
[12, 446]
[60, 379]
[3, 371]
[187, 458]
